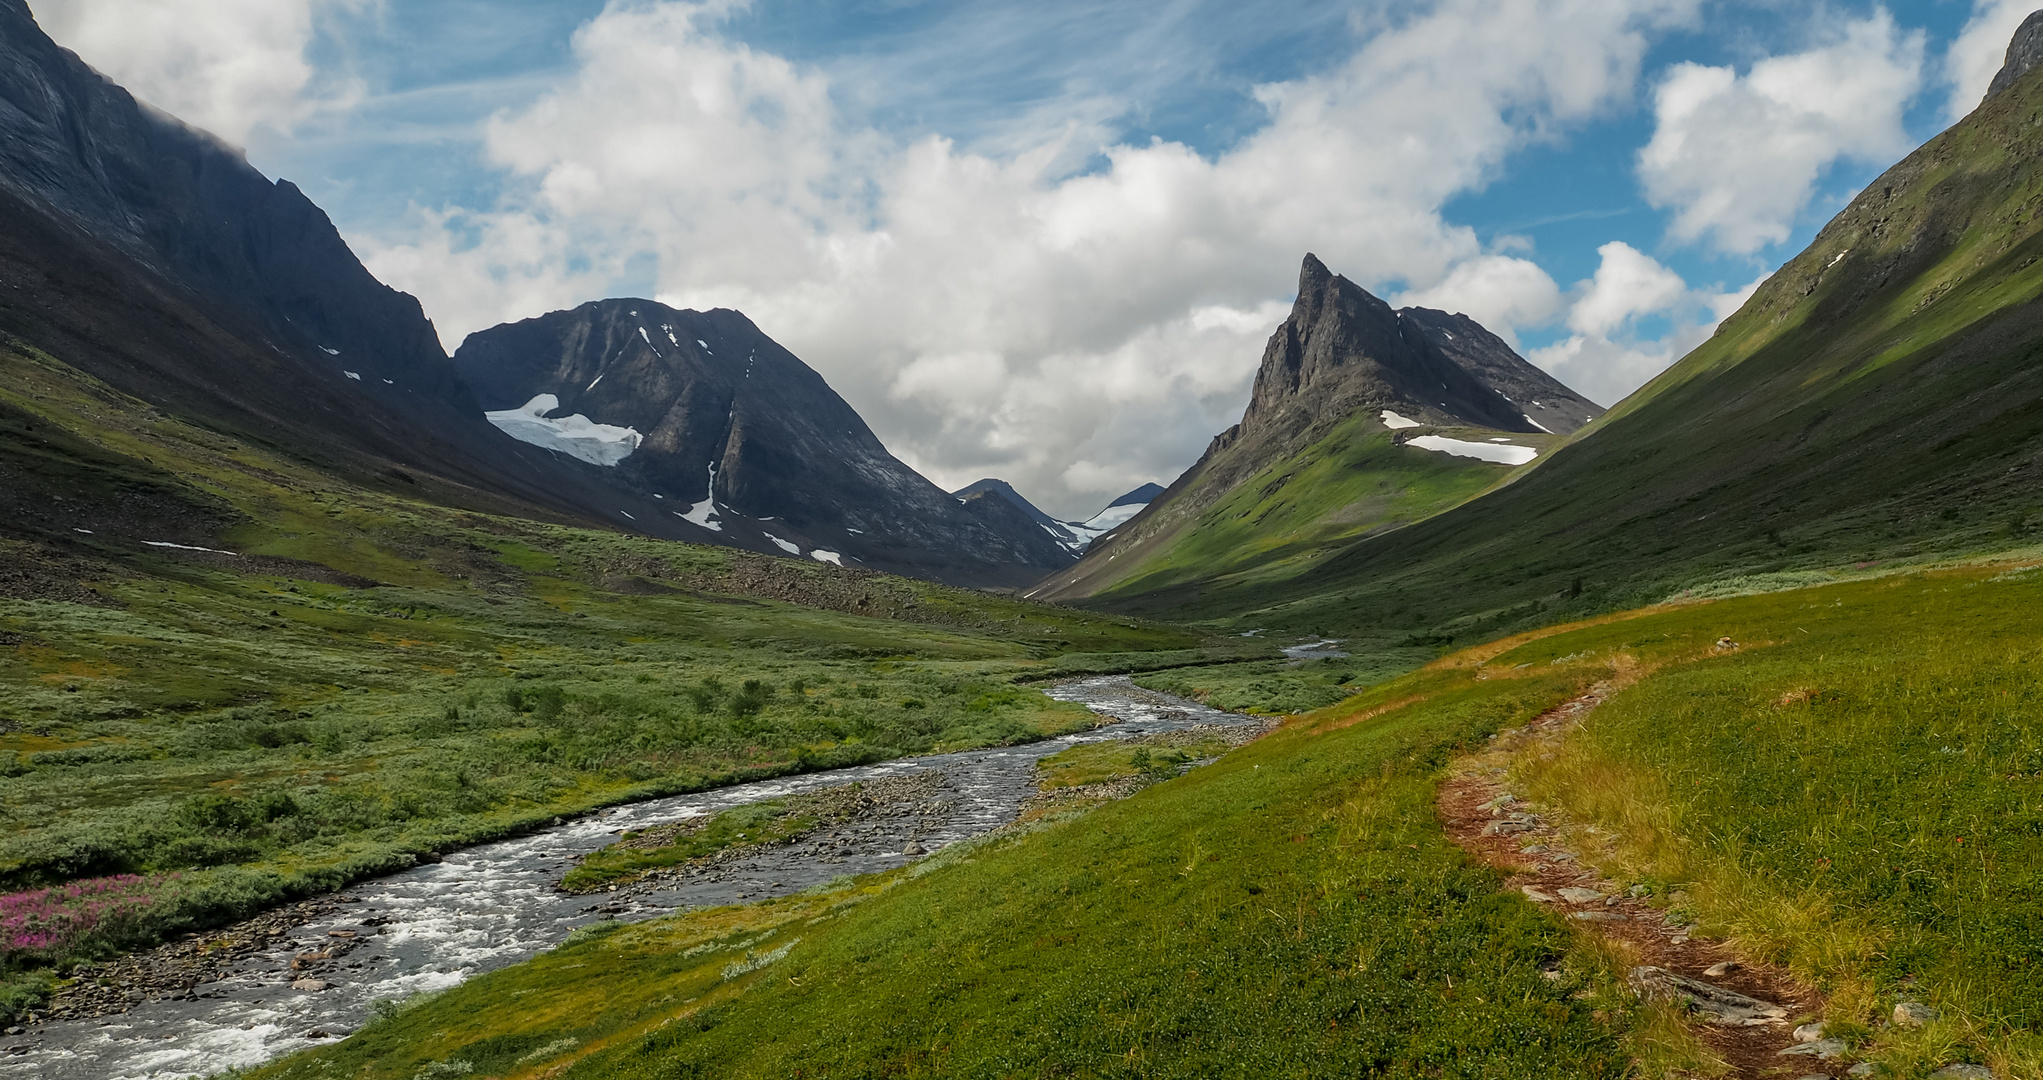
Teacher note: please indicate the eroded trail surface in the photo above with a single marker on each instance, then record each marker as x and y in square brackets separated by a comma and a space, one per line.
[309, 974]
[1746, 1013]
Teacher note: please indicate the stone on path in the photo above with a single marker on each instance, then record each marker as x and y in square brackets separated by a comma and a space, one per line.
[1595, 916]
[1536, 894]
[1821, 1049]
[1723, 968]
[1913, 1014]
[1962, 1072]
[1575, 895]
[1807, 1033]
[1722, 1006]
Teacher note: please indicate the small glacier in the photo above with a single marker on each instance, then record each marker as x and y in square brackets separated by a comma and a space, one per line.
[576, 436]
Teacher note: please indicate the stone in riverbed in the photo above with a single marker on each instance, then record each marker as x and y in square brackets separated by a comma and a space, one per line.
[311, 986]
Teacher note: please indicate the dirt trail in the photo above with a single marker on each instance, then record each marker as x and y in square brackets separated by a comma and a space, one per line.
[1528, 843]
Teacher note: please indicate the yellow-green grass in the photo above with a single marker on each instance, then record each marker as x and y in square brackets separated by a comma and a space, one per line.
[767, 822]
[1291, 910]
[1100, 762]
[1283, 687]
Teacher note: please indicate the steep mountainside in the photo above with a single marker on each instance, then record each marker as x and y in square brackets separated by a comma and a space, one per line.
[1879, 398]
[734, 435]
[1354, 408]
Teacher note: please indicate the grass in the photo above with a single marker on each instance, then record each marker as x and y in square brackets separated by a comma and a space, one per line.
[1846, 792]
[1356, 481]
[1282, 687]
[1100, 762]
[768, 822]
[370, 679]
[1290, 910]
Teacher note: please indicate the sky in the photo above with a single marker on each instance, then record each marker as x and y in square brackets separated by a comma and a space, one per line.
[1048, 241]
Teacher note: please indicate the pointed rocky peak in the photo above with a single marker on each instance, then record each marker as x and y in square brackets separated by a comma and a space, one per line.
[1141, 496]
[2025, 51]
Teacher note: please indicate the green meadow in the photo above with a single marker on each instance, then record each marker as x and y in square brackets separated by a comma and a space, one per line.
[1845, 792]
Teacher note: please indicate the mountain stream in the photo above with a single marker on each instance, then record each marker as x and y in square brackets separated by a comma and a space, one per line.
[485, 907]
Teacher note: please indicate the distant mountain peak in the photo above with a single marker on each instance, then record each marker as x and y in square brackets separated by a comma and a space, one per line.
[1147, 493]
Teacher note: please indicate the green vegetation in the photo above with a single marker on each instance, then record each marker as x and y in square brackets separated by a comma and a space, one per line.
[1872, 404]
[1355, 482]
[1121, 759]
[1853, 792]
[771, 821]
[1291, 910]
[1283, 687]
[1844, 790]
[369, 679]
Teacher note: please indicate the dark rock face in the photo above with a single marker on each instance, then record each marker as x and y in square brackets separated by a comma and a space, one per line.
[1145, 494]
[2025, 51]
[191, 208]
[1539, 398]
[729, 417]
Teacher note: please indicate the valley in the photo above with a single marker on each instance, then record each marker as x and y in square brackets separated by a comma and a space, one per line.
[602, 696]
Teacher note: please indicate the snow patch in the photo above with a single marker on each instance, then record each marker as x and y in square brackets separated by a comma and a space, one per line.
[1839, 259]
[791, 549]
[87, 532]
[1501, 455]
[592, 384]
[648, 339]
[860, 532]
[830, 557]
[1394, 422]
[1085, 532]
[329, 352]
[352, 375]
[188, 547]
[1538, 425]
[576, 436]
[702, 512]
[704, 344]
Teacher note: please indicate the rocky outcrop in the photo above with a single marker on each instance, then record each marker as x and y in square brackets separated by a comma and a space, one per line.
[2025, 51]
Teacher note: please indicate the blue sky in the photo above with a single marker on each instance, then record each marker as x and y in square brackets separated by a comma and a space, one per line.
[1046, 241]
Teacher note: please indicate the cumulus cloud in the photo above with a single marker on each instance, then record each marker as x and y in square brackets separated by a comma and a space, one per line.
[1737, 157]
[1501, 292]
[229, 66]
[991, 311]
[1978, 51]
[1608, 355]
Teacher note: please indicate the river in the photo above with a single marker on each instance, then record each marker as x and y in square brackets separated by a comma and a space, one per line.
[431, 927]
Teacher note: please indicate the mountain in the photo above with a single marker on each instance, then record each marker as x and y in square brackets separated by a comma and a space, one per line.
[1878, 400]
[1075, 536]
[737, 439]
[1363, 418]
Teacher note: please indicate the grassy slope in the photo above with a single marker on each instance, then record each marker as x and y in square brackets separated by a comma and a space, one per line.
[372, 678]
[1279, 523]
[1847, 792]
[1877, 399]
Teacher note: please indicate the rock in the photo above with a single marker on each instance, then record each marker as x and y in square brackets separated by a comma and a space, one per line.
[1962, 1072]
[340, 933]
[914, 848]
[1532, 849]
[1720, 1006]
[1536, 894]
[1863, 1068]
[1596, 916]
[1913, 1014]
[1575, 895]
[2025, 50]
[1807, 1033]
[1820, 1049]
[319, 1033]
[1722, 968]
[1510, 827]
[312, 986]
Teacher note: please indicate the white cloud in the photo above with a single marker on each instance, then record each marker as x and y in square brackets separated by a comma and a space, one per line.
[1501, 292]
[1608, 356]
[1978, 51]
[229, 66]
[990, 312]
[1738, 157]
